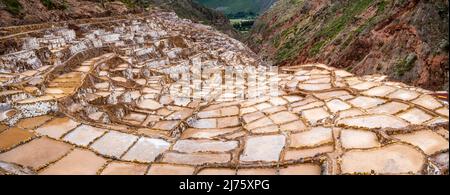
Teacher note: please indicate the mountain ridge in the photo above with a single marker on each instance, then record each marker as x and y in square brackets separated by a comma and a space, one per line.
[406, 40]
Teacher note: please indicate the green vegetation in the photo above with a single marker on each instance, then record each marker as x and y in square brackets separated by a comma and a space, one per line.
[129, 3]
[242, 25]
[239, 7]
[52, 5]
[293, 39]
[369, 23]
[12, 6]
[405, 65]
[335, 27]
[316, 48]
[241, 12]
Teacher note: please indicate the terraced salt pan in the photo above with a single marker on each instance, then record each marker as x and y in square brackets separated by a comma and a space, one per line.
[301, 169]
[366, 102]
[415, 116]
[283, 117]
[113, 144]
[263, 148]
[404, 94]
[196, 159]
[426, 140]
[314, 137]
[314, 87]
[373, 121]
[298, 154]
[389, 108]
[206, 133]
[84, 135]
[37, 153]
[266, 135]
[124, 168]
[146, 150]
[428, 102]
[364, 86]
[315, 115]
[77, 162]
[380, 91]
[391, 159]
[57, 127]
[356, 139]
[337, 105]
[167, 169]
[192, 146]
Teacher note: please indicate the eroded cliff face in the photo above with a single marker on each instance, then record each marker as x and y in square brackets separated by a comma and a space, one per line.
[406, 40]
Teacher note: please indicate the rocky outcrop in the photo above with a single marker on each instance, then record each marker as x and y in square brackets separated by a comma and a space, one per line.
[406, 40]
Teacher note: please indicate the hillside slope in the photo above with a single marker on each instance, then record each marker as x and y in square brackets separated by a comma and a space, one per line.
[199, 13]
[20, 12]
[235, 6]
[406, 40]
